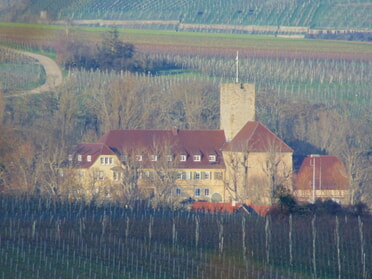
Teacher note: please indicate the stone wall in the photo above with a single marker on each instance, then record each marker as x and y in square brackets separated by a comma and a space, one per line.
[237, 107]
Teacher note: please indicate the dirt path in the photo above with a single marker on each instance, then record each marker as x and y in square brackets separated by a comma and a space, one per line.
[52, 71]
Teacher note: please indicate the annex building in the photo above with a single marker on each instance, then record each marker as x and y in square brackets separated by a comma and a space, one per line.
[242, 161]
[322, 177]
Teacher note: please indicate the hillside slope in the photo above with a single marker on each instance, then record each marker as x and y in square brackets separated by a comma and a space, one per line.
[321, 14]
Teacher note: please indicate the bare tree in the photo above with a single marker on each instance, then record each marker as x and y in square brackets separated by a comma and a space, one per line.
[278, 168]
[20, 168]
[2, 107]
[162, 174]
[125, 187]
[120, 106]
[255, 176]
[195, 105]
[236, 180]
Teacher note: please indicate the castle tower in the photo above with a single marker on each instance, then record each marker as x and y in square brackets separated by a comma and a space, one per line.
[237, 107]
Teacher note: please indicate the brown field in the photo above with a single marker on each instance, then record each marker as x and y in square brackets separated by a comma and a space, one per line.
[184, 43]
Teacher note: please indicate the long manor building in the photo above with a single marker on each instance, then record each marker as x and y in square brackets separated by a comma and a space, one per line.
[242, 161]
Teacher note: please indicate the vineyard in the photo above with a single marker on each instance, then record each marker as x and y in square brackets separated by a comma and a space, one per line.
[43, 237]
[311, 14]
[47, 238]
[328, 82]
[19, 72]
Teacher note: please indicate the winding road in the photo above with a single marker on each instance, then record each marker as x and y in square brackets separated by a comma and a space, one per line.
[52, 72]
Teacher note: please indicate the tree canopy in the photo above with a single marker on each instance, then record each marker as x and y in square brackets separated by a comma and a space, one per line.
[112, 54]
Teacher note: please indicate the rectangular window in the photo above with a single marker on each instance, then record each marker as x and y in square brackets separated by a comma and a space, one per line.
[179, 175]
[138, 158]
[123, 157]
[70, 157]
[153, 158]
[197, 192]
[206, 175]
[197, 158]
[81, 175]
[206, 192]
[89, 158]
[100, 175]
[212, 158]
[178, 192]
[106, 160]
[218, 175]
[117, 175]
[107, 193]
[79, 157]
[197, 175]
[183, 158]
[169, 158]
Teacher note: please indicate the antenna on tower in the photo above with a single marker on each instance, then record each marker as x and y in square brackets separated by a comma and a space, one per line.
[237, 67]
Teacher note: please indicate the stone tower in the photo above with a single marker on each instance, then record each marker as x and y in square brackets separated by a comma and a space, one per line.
[237, 107]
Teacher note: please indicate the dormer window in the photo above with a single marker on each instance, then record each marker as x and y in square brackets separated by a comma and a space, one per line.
[79, 158]
[123, 157]
[70, 157]
[212, 158]
[197, 158]
[106, 160]
[153, 158]
[138, 158]
[89, 158]
[183, 158]
[169, 158]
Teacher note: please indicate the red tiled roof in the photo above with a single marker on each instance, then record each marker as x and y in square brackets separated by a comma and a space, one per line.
[330, 174]
[212, 207]
[261, 210]
[255, 137]
[92, 149]
[187, 142]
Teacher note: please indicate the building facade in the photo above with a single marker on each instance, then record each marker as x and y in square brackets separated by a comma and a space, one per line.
[243, 160]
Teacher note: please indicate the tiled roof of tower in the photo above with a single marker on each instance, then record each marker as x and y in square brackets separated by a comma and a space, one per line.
[170, 142]
[255, 137]
[90, 149]
[330, 174]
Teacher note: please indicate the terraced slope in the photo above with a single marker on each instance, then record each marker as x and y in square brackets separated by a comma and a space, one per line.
[314, 13]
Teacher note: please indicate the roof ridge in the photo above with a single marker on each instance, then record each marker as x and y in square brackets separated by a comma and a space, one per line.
[256, 124]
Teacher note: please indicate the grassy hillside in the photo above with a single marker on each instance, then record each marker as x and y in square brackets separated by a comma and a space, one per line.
[314, 14]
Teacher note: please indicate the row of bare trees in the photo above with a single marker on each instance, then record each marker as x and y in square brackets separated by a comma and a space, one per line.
[41, 130]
